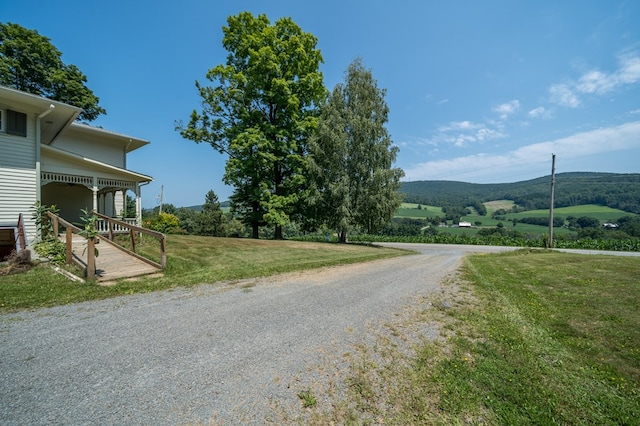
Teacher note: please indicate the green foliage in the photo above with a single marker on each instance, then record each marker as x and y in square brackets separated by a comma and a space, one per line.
[89, 221]
[353, 179]
[54, 250]
[166, 223]
[89, 227]
[211, 220]
[129, 208]
[497, 239]
[308, 400]
[29, 62]
[41, 219]
[260, 112]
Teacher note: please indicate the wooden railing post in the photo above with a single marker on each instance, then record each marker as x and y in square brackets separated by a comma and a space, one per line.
[55, 226]
[132, 239]
[68, 252]
[163, 252]
[120, 225]
[91, 258]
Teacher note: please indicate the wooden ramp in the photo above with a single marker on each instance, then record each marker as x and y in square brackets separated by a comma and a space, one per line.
[112, 262]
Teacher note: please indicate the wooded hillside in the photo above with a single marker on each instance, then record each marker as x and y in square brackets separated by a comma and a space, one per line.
[621, 191]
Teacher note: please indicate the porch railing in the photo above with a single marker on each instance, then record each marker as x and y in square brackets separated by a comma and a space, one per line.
[90, 266]
[105, 227]
[115, 226]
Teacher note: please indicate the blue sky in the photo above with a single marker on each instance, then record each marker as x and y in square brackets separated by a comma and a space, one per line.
[478, 91]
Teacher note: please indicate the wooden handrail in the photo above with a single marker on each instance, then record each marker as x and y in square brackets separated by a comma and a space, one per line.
[90, 266]
[133, 229]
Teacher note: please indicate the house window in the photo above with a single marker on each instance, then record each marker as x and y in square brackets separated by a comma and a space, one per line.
[16, 123]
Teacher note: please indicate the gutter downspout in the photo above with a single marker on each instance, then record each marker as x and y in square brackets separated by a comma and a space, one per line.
[38, 142]
[139, 202]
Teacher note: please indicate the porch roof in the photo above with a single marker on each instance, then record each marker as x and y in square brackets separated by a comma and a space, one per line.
[58, 115]
[92, 165]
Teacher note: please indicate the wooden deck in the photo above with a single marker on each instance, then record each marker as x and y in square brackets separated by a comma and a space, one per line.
[113, 263]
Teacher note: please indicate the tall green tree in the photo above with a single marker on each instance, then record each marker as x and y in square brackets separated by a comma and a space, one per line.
[29, 62]
[211, 219]
[352, 156]
[260, 111]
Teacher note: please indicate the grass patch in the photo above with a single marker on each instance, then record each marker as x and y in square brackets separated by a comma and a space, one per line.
[191, 260]
[602, 213]
[411, 210]
[533, 337]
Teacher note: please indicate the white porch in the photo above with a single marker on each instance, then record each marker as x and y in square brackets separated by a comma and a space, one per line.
[71, 193]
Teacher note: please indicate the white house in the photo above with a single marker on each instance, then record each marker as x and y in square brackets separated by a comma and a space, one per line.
[46, 156]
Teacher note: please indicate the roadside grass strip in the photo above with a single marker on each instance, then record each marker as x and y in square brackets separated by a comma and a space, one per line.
[526, 337]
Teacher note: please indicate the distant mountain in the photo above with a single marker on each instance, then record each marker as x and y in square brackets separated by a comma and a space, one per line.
[621, 191]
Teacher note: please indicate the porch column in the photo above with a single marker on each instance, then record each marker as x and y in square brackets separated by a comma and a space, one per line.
[94, 189]
[138, 205]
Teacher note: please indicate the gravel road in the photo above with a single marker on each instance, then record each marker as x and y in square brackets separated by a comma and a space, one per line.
[224, 353]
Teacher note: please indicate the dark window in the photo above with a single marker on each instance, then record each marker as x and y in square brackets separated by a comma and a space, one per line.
[16, 123]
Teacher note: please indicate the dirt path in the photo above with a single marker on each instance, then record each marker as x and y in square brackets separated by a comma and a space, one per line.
[235, 353]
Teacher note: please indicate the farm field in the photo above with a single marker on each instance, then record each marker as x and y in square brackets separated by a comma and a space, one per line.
[602, 213]
[410, 210]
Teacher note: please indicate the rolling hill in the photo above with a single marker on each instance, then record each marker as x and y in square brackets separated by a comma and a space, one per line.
[620, 191]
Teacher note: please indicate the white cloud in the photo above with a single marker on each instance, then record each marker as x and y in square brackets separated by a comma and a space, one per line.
[507, 109]
[563, 94]
[530, 159]
[463, 133]
[597, 82]
[540, 112]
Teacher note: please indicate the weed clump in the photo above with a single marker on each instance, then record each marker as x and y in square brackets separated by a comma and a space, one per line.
[17, 262]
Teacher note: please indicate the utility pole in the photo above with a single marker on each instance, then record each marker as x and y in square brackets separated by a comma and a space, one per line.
[553, 182]
[161, 194]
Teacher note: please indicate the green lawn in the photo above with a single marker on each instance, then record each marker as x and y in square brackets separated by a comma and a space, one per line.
[191, 260]
[529, 337]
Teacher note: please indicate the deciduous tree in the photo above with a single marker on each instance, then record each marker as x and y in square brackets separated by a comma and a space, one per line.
[29, 62]
[260, 112]
[352, 156]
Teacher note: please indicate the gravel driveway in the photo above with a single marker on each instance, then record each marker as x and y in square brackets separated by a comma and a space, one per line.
[224, 353]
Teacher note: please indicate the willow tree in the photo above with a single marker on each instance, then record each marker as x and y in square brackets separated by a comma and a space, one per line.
[352, 156]
[260, 111]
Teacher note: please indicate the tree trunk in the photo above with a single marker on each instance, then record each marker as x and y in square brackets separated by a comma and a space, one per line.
[342, 236]
[278, 233]
[256, 230]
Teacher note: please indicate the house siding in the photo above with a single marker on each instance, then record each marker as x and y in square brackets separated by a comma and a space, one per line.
[18, 180]
[98, 148]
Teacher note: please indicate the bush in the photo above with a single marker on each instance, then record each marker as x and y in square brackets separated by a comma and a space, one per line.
[54, 250]
[166, 223]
